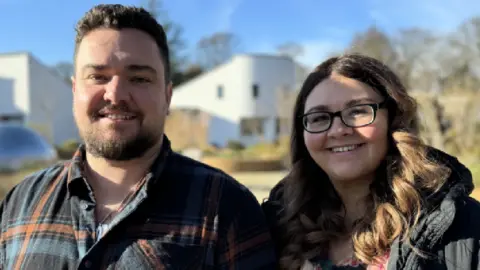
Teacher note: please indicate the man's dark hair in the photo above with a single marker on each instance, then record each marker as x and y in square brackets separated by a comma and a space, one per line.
[116, 16]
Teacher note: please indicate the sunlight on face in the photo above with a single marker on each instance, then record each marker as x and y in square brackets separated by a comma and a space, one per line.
[346, 153]
[120, 95]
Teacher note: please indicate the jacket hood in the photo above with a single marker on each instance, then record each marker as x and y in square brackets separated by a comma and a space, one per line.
[458, 185]
[437, 217]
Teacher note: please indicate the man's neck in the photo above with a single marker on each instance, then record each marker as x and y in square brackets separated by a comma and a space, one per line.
[105, 172]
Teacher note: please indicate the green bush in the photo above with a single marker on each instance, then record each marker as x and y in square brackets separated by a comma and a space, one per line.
[208, 153]
[235, 145]
[67, 149]
[261, 151]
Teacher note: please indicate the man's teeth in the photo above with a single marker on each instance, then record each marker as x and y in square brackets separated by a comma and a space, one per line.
[119, 116]
[345, 148]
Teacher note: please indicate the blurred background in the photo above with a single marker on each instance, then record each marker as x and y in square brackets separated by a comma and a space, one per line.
[238, 65]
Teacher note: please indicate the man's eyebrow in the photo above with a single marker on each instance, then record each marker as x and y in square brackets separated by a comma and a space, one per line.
[95, 67]
[98, 67]
[142, 68]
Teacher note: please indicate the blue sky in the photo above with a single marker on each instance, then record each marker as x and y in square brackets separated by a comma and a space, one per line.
[46, 27]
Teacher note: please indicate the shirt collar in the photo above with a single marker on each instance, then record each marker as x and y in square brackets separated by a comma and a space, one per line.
[76, 173]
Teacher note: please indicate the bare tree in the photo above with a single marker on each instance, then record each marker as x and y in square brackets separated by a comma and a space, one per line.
[192, 71]
[174, 36]
[450, 119]
[216, 49]
[417, 58]
[463, 136]
[376, 44]
[462, 65]
[433, 127]
[290, 49]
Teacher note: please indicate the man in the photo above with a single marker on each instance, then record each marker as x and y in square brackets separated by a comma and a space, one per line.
[125, 200]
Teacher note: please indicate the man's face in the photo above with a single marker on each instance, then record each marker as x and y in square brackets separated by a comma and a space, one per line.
[120, 97]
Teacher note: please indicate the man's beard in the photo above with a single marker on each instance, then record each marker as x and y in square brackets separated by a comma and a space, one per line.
[119, 149]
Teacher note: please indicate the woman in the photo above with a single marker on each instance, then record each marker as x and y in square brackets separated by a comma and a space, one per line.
[364, 192]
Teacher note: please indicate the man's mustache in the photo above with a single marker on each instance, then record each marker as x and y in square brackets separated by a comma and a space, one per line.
[117, 108]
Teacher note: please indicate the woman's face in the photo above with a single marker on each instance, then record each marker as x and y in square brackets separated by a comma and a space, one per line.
[346, 153]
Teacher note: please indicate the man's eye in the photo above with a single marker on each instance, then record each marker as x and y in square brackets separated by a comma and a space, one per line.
[98, 77]
[140, 80]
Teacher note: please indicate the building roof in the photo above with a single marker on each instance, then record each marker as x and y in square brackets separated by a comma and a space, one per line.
[240, 55]
[32, 57]
[4, 54]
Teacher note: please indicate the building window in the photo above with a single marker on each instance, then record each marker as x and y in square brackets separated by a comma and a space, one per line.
[220, 92]
[255, 90]
[278, 126]
[11, 118]
[252, 126]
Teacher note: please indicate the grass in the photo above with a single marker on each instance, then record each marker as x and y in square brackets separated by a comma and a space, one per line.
[8, 180]
[260, 183]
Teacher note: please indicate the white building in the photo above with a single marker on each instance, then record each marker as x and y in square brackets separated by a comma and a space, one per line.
[32, 94]
[241, 96]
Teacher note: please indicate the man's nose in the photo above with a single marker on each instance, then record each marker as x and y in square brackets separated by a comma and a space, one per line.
[116, 90]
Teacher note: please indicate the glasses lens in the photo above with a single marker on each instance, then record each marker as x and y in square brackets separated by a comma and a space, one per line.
[316, 122]
[358, 115]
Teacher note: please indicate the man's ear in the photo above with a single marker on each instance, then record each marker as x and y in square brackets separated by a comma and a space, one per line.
[168, 96]
[72, 79]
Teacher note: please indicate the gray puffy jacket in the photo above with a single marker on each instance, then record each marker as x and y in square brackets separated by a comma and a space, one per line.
[449, 231]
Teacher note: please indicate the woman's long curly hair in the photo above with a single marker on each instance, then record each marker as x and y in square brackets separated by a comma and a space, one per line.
[313, 213]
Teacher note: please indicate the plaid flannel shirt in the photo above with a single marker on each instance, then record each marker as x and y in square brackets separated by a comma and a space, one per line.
[187, 216]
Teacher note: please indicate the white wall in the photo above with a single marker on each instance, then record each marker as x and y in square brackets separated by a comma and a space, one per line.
[221, 130]
[7, 99]
[237, 78]
[51, 102]
[35, 88]
[269, 133]
[14, 66]
[301, 73]
[270, 73]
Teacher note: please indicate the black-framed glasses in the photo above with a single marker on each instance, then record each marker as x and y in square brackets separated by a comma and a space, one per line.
[356, 116]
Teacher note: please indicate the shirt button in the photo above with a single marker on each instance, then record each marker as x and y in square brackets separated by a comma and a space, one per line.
[84, 205]
[88, 264]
